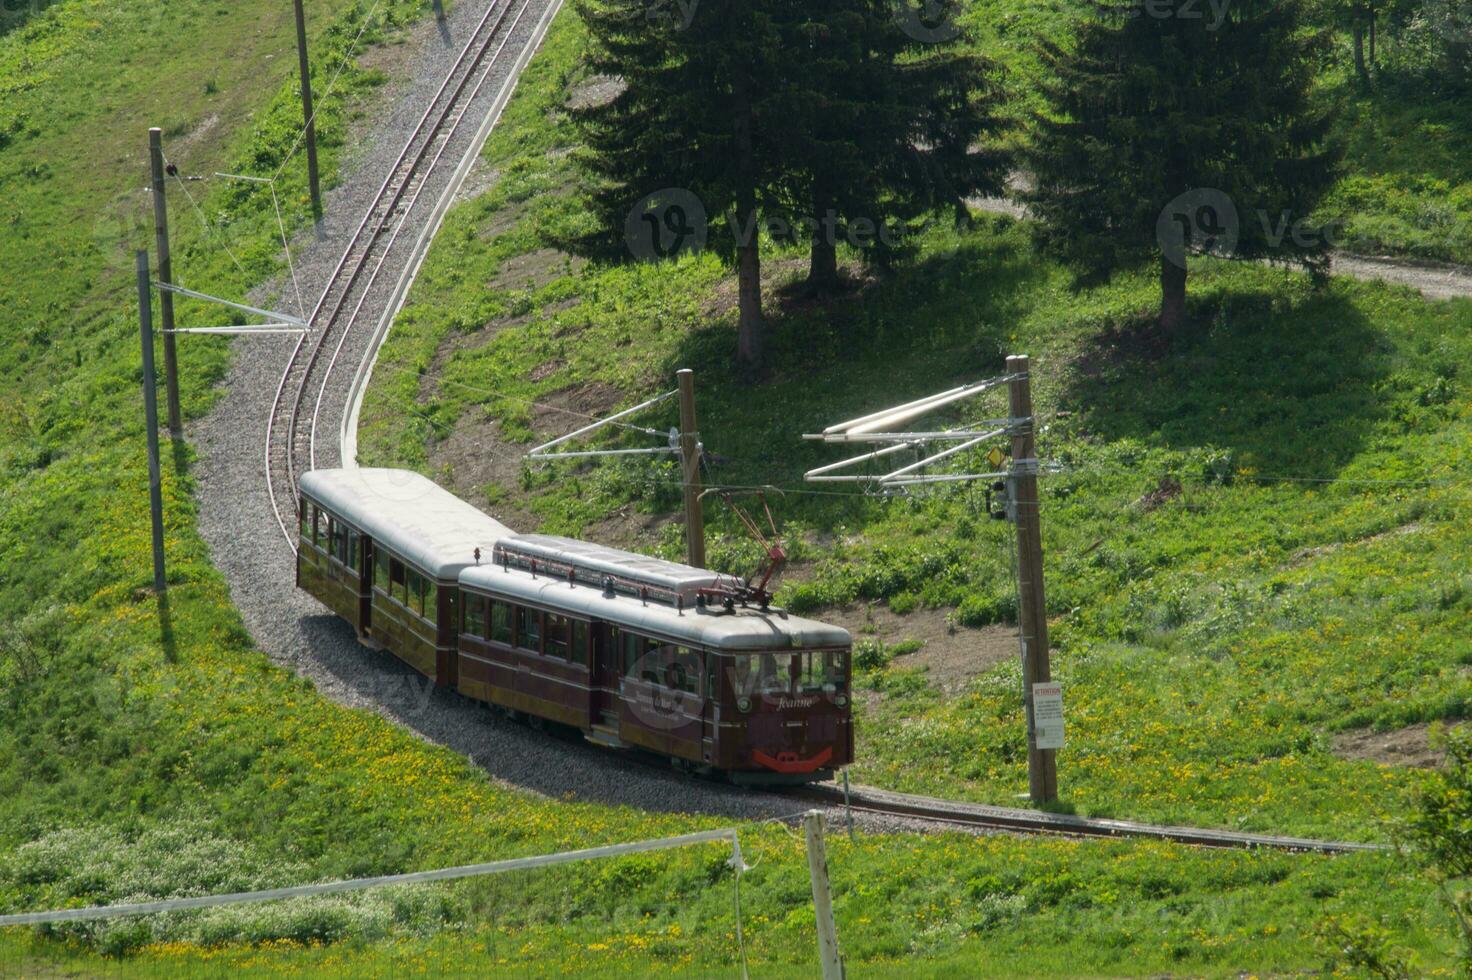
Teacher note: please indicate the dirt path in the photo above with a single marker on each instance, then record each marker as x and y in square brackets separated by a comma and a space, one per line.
[1434, 280]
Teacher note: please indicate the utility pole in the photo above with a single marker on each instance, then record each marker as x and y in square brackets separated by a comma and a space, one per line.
[690, 459]
[150, 415]
[1032, 616]
[828, 955]
[165, 274]
[308, 113]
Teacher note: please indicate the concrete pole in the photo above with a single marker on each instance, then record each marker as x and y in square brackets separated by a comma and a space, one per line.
[150, 416]
[828, 955]
[690, 458]
[165, 274]
[1032, 617]
[308, 113]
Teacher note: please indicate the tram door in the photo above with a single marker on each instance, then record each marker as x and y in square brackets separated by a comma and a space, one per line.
[365, 587]
[605, 693]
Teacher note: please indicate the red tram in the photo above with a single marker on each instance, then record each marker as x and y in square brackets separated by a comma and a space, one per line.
[618, 645]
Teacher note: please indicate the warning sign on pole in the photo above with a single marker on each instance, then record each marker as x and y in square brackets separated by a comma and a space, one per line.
[1047, 715]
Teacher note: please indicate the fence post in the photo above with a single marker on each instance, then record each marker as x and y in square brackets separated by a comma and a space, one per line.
[150, 415]
[828, 956]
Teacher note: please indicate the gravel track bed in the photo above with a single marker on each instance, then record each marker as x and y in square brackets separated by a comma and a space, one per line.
[237, 522]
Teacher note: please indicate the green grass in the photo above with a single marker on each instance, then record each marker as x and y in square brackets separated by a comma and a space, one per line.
[149, 750]
[948, 906]
[1407, 185]
[1310, 577]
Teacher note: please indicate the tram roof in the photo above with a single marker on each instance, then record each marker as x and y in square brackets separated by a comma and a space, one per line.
[410, 514]
[596, 562]
[712, 628]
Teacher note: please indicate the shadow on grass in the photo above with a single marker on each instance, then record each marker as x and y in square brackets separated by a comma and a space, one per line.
[1286, 391]
[166, 629]
[937, 322]
[14, 14]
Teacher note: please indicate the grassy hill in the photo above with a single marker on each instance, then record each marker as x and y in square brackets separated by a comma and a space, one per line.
[149, 751]
[1407, 187]
[1254, 546]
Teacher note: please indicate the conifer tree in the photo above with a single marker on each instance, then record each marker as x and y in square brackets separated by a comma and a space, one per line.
[696, 85]
[822, 120]
[1169, 128]
[882, 128]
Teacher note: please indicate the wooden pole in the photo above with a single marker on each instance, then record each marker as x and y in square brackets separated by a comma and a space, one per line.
[828, 955]
[150, 415]
[690, 458]
[1032, 617]
[165, 274]
[308, 113]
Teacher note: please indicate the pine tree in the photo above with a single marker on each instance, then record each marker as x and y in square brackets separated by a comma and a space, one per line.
[821, 119]
[881, 128]
[688, 117]
[1168, 128]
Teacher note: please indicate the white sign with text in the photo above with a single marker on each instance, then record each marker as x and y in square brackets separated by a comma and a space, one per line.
[1047, 715]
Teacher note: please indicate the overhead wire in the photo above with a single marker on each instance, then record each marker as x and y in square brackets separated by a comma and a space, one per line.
[203, 218]
[326, 94]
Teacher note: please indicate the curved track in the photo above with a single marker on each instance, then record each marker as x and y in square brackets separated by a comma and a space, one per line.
[378, 245]
[982, 817]
[373, 274]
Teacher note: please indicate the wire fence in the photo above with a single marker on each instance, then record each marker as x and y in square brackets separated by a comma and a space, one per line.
[530, 916]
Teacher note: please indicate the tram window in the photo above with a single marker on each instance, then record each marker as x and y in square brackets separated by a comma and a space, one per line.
[638, 661]
[810, 673]
[306, 512]
[682, 670]
[835, 670]
[474, 607]
[501, 623]
[655, 665]
[764, 673]
[355, 549]
[555, 637]
[628, 646]
[528, 629]
[774, 674]
[415, 591]
[431, 603]
[380, 569]
[579, 649]
[396, 580]
[712, 676]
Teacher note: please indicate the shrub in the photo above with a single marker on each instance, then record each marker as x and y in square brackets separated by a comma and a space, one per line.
[905, 647]
[869, 654]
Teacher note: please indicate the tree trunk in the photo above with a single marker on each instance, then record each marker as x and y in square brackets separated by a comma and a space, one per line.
[823, 255]
[748, 252]
[1172, 295]
[1359, 53]
[822, 266]
[749, 302]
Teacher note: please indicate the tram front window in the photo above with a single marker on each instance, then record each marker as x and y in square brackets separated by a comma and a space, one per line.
[808, 672]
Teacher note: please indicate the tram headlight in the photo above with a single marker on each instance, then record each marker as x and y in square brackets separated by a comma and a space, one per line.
[744, 704]
[841, 700]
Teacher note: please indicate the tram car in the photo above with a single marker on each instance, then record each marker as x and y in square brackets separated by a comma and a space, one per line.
[632, 651]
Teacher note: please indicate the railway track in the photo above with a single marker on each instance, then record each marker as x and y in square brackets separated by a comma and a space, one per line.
[357, 283]
[375, 253]
[983, 817]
